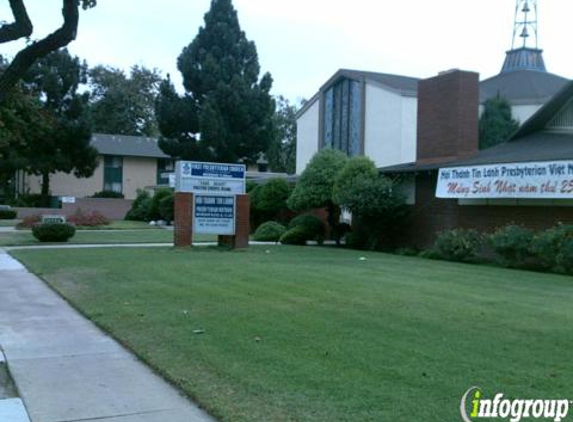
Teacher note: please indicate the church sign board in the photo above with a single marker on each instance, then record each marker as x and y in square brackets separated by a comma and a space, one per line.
[214, 214]
[210, 178]
[214, 187]
[535, 180]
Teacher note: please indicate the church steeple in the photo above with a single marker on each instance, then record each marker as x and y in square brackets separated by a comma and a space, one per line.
[525, 53]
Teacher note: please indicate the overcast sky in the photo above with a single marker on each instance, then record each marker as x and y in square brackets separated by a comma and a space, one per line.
[303, 42]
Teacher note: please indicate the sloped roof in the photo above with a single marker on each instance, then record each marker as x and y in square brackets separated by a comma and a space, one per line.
[406, 85]
[127, 146]
[522, 86]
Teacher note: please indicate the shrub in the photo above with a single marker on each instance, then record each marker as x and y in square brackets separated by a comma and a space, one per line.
[88, 219]
[108, 194]
[270, 231]
[7, 214]
[552, 247]
[458, 245]
[29, 221]
[53, 232]
[565, 256]
[141, 207]
[312, 225]
[295, 236]
[29, 200]
[167, 208]
[406, 252]
[513, 244]
[154, 207]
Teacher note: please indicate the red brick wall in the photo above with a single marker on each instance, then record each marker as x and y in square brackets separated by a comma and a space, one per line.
[183, 219]
[448, 110]
[431, 215]
[113, 209]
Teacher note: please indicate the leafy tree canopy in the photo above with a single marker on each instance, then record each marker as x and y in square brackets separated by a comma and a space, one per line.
[124, 104]
[63, 144]
[281, 153]
[496, 123]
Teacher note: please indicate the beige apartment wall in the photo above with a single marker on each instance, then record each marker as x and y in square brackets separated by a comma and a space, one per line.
[138, 173]
[62, 184]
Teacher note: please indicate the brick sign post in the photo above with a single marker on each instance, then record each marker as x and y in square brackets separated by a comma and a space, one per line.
[210, 199]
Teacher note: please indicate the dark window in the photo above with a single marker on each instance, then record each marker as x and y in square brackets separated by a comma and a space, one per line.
[164, 167]
[113, 174]
[342, 104]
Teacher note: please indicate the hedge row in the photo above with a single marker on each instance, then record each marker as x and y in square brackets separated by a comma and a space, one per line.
[511, 246]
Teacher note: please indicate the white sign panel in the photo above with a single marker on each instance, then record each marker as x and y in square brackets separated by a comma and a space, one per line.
[210, 178]
[214, 214]
[542, 180]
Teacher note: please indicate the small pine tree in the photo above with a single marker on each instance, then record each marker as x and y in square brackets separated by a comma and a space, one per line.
[496, 123]
[234, 109]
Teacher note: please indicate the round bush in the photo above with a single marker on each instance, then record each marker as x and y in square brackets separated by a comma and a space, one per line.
[312, 226]
[295, 236]
[513, 244]
[550, 245]
[7, 214]
[53, 232]
[271, 231]
[458, 245]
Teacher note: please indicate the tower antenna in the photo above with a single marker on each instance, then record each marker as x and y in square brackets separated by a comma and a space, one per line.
[525, 23]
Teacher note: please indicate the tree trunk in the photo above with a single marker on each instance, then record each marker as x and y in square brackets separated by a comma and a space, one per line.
[28, 56]
[45, 189]
[22, 26]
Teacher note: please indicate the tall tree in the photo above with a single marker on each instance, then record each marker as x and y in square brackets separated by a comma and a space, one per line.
[496, 123]
[220, 71]
[64, 145]
[22, 121]
[178, 123]
[282, 148]
[124, 104]
[22, 27]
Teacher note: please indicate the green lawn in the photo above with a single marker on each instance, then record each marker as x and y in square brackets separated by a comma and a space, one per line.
[316, 334]
[8, 223]
[25, 237]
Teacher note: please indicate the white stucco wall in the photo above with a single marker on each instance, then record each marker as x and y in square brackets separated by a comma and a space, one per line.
[390, 133]
[307, 128]
[521, 113]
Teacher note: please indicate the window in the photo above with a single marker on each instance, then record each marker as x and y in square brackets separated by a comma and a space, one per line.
[164, 167]
[113, 174]
[342, 111]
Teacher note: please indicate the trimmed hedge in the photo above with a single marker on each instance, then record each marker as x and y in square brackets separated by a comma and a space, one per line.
[312, 226]
[7, 214]
[108, 194]
[53, 232]
[271, 231]
[295, 236]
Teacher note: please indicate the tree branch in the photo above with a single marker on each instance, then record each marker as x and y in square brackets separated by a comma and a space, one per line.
[26, 57]
[22, 25]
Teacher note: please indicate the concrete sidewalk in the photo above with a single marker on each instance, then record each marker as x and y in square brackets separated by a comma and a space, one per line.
[67, 370]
